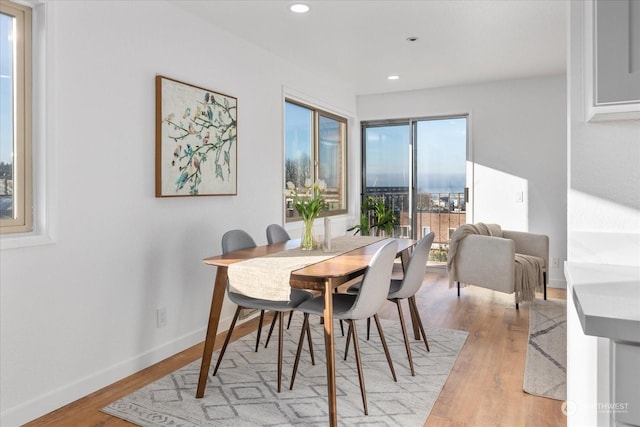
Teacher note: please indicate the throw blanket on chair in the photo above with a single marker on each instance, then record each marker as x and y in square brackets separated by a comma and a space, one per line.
[528, 269]
[529, 277]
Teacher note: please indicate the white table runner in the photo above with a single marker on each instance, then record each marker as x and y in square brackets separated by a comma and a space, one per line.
[268, 277]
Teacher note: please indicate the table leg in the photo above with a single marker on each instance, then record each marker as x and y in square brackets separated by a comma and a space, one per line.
[212, 329]
[329, 346]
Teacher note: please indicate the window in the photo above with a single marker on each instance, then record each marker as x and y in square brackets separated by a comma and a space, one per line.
[15, 118]
[316, 148]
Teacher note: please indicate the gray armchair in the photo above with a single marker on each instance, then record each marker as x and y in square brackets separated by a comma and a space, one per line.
[487, 256]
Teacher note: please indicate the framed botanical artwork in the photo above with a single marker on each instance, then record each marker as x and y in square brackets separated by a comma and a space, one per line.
[196, 140]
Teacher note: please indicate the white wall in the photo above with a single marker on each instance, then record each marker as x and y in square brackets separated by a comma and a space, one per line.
[518, 139]
[603, 221]
[79, 314]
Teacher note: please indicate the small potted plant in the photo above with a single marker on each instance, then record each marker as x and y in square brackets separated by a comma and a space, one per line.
[375, 218]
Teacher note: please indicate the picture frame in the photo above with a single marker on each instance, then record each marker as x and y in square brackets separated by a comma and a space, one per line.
[196, 140]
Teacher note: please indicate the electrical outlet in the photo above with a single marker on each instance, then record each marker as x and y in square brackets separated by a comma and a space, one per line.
[555, 263]
[161, 317]
[519, 197]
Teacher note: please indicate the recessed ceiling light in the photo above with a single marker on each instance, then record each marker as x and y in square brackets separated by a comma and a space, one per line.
[393, 77]
[299, 8]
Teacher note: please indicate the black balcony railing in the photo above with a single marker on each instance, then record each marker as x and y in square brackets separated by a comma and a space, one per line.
[439, 212]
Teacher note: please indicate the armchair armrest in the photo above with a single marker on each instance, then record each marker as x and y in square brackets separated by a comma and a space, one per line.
[530, 244]
[486, 261]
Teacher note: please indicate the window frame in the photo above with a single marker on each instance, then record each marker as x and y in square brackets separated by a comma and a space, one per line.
[317, 113]
[22, 221]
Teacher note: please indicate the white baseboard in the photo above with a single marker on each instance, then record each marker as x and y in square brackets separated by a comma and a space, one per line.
[560, 284]
[52, 400]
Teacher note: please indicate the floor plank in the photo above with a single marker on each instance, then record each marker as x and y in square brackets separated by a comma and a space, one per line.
[483, 389]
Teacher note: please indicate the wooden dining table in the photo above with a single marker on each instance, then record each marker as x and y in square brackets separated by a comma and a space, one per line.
[323, 276]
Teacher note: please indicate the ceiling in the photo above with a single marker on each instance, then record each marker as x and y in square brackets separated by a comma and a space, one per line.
[363, 42]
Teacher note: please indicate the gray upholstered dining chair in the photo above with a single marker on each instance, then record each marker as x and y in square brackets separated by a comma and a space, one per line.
[277, 234]
[235, 240]
[351, 307]
[406, 289]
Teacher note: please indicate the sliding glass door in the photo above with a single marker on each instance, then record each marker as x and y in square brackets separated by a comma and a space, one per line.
[387, 170]
[418, 167]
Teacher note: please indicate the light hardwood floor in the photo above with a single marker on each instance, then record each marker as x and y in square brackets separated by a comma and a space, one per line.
[483, 389]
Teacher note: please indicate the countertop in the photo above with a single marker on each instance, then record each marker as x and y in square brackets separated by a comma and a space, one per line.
[607, 299]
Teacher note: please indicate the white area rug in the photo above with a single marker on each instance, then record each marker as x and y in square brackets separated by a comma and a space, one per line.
[243, 393]
[546, 364]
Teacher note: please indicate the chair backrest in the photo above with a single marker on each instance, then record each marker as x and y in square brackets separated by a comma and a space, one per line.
[414, 275]
[277, 234]
[375, 285]
[235, 240]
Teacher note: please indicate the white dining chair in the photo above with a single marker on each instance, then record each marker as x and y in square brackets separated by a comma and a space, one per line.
[351, 307]
[406, 289]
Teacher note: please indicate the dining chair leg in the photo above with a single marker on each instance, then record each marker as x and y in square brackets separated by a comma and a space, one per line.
[273, 324]
[414, 318]
[386, 348]
[290, 317]
[414, 306]
[335, 291]
[368, 328]
[280, 336]
[305, 328]
[363, 392]
[348, 341]
[226, 339]
[313, 360]
[259, 329]
[404, 334]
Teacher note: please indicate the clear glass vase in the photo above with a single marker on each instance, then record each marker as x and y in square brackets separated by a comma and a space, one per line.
[307, 243]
